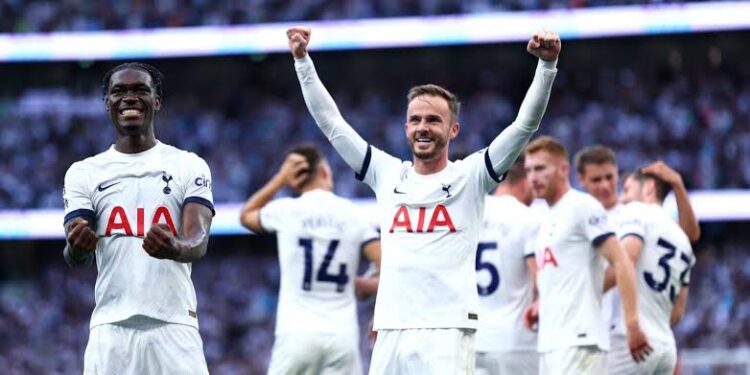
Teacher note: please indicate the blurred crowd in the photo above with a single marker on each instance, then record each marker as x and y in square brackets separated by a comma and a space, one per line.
[19, 16]
[243, 118]
[44, 320]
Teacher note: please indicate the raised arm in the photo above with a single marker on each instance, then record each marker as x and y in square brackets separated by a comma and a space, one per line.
[342, 136]
[504, 149]
[291, 173]
[686, 216]
[625, 276]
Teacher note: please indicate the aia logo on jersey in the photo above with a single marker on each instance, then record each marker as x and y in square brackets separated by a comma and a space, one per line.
[548, 257]
[439, 219]
[121, 223]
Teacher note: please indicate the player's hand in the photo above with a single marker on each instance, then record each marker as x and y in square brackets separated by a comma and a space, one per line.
[294, 170]
[663, 172]
[638, 344]
[298, 37]
[160, 243]
[545, 45]
[81, 237]
[531, 316]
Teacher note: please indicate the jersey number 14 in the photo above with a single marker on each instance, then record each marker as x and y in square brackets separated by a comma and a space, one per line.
[340, 279]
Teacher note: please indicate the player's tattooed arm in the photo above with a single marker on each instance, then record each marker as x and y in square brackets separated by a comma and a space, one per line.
[80, 244]
[161, 243]
[294, 170]
[687, 219]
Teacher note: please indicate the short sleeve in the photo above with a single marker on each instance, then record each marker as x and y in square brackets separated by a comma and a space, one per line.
[77, 195]
[631, 224]
[198, 183]
[369, 234]
[273, 215]
[594, 222]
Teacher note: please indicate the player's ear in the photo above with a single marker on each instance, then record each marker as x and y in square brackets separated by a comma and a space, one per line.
[649, 187]
[455, 129]
[565, 169]
[157, 103]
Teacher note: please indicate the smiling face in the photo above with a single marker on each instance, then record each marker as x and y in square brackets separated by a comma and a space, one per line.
[429, 127]
[132, 102]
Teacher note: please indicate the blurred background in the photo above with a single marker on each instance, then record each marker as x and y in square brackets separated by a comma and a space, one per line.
[652, 79]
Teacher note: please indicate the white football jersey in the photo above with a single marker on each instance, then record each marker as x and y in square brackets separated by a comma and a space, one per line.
[429, 231]
[320, 238]
[662, 269]
[123, 195]
[508, 233]
[570, 274]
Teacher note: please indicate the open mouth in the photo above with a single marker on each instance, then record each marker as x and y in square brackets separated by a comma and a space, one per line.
[423, 141]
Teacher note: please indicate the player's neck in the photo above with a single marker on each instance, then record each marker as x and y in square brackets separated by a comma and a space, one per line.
[564, 188]
[317, 185]
[431, 166]
[135, 144]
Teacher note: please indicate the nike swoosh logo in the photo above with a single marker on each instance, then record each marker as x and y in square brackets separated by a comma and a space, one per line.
[102, 187]
[395, 191]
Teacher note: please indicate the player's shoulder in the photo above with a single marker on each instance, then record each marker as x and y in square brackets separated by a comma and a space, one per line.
[507, 206]
[91, 163]
[185, 155]
[578, 198]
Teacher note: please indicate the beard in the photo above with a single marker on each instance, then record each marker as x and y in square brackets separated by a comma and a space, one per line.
[431, 153]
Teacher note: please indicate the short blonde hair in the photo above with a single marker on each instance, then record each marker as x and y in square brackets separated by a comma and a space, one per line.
[549, 144]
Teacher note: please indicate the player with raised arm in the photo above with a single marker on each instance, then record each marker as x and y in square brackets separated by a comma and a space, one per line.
[320, 239]
[143, 209]
[506, 273]
[574, 233]
[663, 258]
[430, 212]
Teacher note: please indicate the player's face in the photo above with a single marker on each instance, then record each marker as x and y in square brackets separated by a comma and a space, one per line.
[600, 180]
[428, 127]
[544, 173]
[132, 102]
[632, 191]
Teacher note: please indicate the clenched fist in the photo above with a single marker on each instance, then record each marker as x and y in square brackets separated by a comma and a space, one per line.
[298, 38]
[545, 45]
[160, 242]
[81, 238]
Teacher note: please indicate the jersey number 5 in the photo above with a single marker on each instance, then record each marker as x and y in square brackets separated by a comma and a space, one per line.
[494, 274]
[340, 279]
